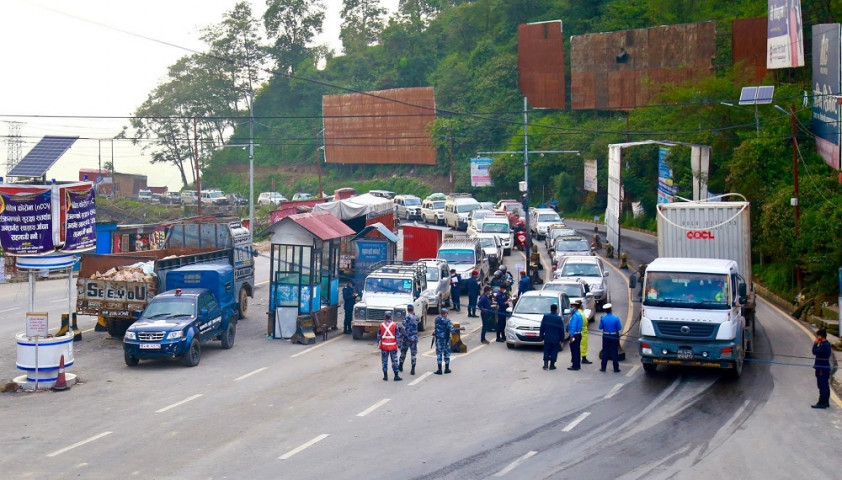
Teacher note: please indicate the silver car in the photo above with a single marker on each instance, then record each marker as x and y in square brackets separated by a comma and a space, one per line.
[570, 246]
[576, 290]
[438, 284]
[524, 325]
[589, 270]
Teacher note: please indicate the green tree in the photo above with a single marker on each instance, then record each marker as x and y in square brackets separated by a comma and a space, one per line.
[362, 23]
[291, 26]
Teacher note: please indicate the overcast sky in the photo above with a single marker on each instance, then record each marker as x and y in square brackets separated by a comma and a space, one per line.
[73, 58]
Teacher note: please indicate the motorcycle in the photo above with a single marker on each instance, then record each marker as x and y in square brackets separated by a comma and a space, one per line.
[520, 240]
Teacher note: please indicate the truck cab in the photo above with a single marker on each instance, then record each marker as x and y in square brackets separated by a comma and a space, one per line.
[391, 288]
[201, 307]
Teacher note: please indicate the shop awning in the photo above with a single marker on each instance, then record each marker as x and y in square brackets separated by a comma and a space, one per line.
[379, 227]
[322, 225]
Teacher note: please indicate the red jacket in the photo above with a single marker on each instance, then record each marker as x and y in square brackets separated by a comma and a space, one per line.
[388, 336]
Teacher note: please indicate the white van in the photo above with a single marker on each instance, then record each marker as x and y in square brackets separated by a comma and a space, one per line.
[456, 209]
[189, 197]
[465, 255]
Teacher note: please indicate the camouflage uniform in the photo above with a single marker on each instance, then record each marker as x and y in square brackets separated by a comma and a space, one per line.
[443, 329]
[409, 338]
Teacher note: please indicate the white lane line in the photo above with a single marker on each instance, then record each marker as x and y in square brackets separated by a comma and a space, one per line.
[10, 309]
[374, 407]
[261, 283]
[303, 447]
[316, 346]
[576, 421]
[88, 330]
[418, 380]
[514, 464]
[59, 300]
[78, 444]
[188, 399]
[632, 371]
[614, 390]
[250, 374]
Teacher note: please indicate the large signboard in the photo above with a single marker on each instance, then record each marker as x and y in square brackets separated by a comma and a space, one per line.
[26, 222]
[590, 175]
[784, 36]
[80, 233]
[480, 173]
[666, 184]
[540, 63]
[827, 85]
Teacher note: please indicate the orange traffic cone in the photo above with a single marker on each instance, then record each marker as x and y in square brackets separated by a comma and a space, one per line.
[61, 382]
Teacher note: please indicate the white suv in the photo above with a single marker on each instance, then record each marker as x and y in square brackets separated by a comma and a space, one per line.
[589, 270]
[274, 198]
[541, 219]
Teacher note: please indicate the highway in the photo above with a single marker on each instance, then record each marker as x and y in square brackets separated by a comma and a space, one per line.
[270, 409]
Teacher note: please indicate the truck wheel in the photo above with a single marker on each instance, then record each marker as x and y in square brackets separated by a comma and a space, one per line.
[357, 332]
[228, 336]
[650, 367]
[243, 307]
[116, 328]
[737, 371]
[192, 355]
[131, 360]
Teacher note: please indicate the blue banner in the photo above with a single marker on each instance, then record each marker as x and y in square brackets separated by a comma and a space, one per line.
[826, 86]
[80, 233]
[26, 223]
[666, 187]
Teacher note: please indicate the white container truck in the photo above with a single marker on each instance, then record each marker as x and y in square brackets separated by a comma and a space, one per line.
[698, 300]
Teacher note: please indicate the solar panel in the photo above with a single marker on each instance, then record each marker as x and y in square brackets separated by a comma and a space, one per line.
[764, 94]
[748, 95]
[42, 157]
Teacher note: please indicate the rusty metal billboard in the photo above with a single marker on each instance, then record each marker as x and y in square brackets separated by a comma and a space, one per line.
[381, 127]
[748, 45]
[540, 63]
[627, 69]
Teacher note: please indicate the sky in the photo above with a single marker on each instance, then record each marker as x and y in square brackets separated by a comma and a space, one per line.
[73, 59]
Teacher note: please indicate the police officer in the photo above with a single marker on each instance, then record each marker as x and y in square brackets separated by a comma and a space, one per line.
[611, 328]
[387, 341]
[524, 285]
[409, 337]
[574, 328]
[821, 349]
[444, 327]
[507, 277]
[455, 282]
[486, 313]
[349, 297]
[552, 334]
[472, 289]
[502, 303]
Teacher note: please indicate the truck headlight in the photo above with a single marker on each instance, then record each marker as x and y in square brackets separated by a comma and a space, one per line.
[399, 314]
[359, 312]
[175, 334]
[130, 336]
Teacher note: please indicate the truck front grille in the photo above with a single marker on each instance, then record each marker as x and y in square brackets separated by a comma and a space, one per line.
[150, 336]
[372, 314]
[679, 330]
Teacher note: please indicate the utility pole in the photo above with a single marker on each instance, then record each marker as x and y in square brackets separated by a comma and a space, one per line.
[528, 245]
[797, 200]
[198, 175]
[450, 135]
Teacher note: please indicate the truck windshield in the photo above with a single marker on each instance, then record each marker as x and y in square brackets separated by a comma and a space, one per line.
[388, 285]
[457, 255]
[687, 290]
[170, 307]
[495, 227]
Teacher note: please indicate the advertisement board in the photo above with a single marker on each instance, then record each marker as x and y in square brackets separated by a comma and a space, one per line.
[827, 85]
[784, 37]
[666, 185]
[80, 232]
[26, 222]
[590, 175]
[480, 174]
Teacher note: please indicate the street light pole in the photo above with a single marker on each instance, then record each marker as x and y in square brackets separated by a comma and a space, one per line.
[528, 245]
[251, 164]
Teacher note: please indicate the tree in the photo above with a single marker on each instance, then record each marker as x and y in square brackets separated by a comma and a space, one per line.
[291, 26]
[362, 23]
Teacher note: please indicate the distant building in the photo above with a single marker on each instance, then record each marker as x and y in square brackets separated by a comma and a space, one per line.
[120, 185]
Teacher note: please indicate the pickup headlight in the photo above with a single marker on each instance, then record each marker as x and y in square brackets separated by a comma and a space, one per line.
[359, 312]
[399, 314]
[175, 334]
[130, 336]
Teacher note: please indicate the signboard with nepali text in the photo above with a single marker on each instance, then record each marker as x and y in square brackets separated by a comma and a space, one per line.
[80, 232]
[784, 38]
[480, 174]
[26, 222]
[827, 86]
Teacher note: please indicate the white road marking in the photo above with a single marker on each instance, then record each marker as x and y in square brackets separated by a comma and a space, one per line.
[614, 390]
[59, 300]
[10, 309]
[78, 444]
[514, 464]
[418, 380]
[188, 399]
[304, 446]
[316, 346]
[374, 407]
[632, 371]
[261, 283]
[576, 421]
[250, 374]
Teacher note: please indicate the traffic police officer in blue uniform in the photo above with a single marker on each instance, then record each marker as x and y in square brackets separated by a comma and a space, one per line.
[409, 337]
[552, 334]
[575, 331]
[444, 327]
[349, 297]
[611, 327]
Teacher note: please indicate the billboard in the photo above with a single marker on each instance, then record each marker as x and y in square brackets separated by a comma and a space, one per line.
[784, 36]
[381, 127]
[540, 63]
[827, 84]
[666, 184]
[590, 175]
[748, 45]
[626, 69]
[480, 174]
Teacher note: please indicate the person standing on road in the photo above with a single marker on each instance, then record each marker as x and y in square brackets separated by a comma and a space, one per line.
[444, 327]
[387, 341]
[821, 349]
[552, 334]
[611, 328]
[349, 297]
[472, 289]
[524, 285]
[455, 282]
[502, 303]
[409, 338]
[486, 313]
[583, 345]
[575, 331]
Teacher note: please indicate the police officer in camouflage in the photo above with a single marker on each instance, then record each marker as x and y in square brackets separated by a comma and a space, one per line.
[388, 338]
[409, 337]
[444, 327]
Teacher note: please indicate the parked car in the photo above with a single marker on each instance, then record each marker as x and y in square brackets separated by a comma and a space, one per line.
[214, 197]
[590, 270]
[524, 326]
[237, 199]
[382, 193]
[274, 198]
[301, 196]
[575, 290]
[408, 207]
[189, 197]
[171, 198]
[144, 195]
[438, 284]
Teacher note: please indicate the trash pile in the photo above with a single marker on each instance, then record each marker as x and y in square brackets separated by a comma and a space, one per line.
[137, 272]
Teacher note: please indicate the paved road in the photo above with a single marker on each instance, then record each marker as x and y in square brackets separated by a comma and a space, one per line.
[268, 408]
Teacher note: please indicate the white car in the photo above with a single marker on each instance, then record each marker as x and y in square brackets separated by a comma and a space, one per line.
[274, 198]
[437, 292]
[540, 220]
[572, 245]
[475, 219]
[493, 248]
[589, 270]
[555, 231]
[499, 225]
[432, 211]
[524, 326]
[576, 290]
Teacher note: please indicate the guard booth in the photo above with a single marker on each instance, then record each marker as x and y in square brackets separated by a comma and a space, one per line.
[304, 273]
[375, 244]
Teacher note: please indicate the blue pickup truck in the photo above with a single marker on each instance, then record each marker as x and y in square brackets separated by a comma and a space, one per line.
[200, 306]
